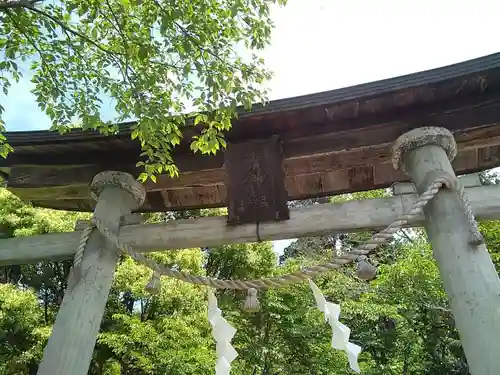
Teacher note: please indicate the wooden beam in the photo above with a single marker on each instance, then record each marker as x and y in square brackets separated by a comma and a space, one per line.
[302, 136]
[47, 177]
[304, 186]
[361, 151]
[313, 220]
[374, 154]
[461, 120]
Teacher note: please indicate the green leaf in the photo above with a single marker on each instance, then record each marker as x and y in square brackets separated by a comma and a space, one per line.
[134, 134]
[152, 59]
[143, 52]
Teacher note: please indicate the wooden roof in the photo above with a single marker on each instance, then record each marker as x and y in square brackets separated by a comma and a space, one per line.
[333, 142]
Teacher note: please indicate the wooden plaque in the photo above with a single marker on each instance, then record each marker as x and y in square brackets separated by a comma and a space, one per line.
[255, 182]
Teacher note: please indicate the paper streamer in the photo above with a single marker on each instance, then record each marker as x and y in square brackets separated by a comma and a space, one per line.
[340, 332]
[223, 333]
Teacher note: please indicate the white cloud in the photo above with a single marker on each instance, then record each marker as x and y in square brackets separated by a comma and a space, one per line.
[321, 45]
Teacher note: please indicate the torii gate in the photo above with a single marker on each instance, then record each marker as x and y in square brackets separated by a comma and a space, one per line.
[346, 141]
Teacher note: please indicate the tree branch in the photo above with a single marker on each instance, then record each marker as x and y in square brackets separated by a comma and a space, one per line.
[30, 6]
[118, 28]
[407, 236]
[16, 4]
[22, 31]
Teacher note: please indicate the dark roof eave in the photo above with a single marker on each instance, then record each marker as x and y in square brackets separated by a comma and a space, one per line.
[366, 90]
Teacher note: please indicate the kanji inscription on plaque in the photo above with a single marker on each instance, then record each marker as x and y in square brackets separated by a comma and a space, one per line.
[255, 181]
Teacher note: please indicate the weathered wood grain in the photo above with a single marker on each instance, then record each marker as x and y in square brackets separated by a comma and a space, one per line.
[43, 177]
[320, 182]
[359, 149]
[255, 182]
[318, 136]
[468, 273]
[211, 231]
[74, 334]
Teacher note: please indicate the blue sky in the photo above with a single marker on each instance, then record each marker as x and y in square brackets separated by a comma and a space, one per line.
[322, 45]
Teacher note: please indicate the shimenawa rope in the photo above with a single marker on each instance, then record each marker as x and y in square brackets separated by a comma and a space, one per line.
[382, 237]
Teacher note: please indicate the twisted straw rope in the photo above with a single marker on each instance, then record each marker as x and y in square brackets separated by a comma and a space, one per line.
[378, 239]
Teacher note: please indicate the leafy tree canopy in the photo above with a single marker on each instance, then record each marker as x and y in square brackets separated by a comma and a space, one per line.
[156, 59]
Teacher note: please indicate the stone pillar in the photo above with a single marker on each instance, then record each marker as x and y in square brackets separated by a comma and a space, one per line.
[468, 274]
[71, 344]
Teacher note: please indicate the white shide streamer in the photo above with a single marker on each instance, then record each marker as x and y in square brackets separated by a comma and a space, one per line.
[223, 333]
[341, 333]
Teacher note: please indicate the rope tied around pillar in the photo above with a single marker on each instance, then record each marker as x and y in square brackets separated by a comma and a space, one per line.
[454, 184]
[442, 138]
[102, 180]
[301, 275]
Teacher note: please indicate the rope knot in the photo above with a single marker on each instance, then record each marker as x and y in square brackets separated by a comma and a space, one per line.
[449, 181]
[440, 178]
[444, 178]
